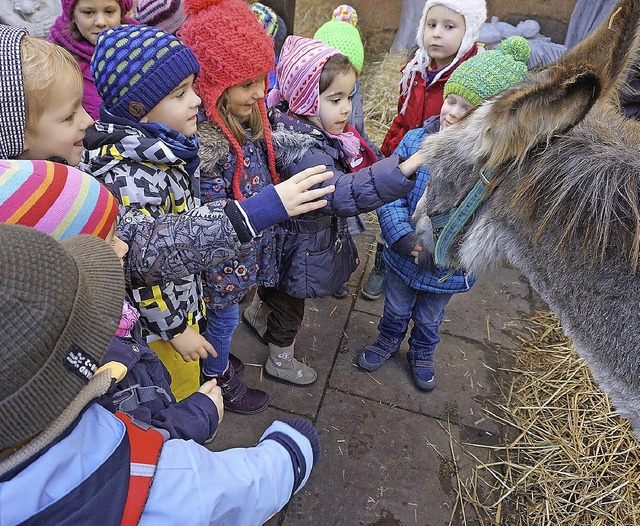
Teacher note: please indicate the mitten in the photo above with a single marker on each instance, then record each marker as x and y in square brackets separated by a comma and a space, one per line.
[405, 244]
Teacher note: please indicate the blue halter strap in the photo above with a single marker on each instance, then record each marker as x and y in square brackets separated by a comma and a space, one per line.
[452, 222]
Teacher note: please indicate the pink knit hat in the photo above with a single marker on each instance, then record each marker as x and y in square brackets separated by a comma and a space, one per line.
[61, 29]
[232, 47]
[298, 73]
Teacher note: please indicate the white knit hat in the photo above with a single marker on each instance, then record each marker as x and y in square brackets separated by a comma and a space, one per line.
[474, 13]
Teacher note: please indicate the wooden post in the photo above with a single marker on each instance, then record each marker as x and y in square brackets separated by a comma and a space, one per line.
[285, 9]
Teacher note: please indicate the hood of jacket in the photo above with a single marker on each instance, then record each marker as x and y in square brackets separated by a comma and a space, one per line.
[214, 145]
[292, 138]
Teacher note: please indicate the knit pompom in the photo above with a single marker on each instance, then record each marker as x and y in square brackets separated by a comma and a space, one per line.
[517, 47]
[345, 13]
[191, 7]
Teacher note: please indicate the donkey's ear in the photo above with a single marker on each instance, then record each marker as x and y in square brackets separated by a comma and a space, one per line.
[530, 115]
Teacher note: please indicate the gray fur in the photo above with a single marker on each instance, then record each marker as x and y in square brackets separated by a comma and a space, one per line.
[564, 205]
[214, 146]
[291, 146]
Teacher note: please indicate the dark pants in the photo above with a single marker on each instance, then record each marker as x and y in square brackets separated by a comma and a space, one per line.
[285, 319]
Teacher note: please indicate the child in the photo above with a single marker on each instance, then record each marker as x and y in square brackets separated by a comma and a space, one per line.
[275, 27]
[414, 289]
[77, 30]
[446, 37]
[238, 162]
[65, 459]
[62, 202]
[167, 15]
[317, 253]
[341, 33]
[42, 110]
[146, 151]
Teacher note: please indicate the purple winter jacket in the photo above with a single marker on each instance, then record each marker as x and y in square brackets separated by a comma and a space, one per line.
[90, 99]
[316, 252]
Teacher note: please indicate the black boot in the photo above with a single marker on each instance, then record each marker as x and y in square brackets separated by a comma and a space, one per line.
[375, 282]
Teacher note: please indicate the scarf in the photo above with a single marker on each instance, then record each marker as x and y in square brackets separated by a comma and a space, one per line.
[128, 321]
[350, 144]
[183, 147]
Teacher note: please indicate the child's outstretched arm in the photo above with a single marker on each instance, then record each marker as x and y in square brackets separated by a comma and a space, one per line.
[173, 246]
[240, 486]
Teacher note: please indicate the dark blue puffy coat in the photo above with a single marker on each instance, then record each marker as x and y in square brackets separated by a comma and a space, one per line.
[316, 252]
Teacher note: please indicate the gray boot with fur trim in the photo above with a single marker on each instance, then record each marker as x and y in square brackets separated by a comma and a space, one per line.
[255, 316]
[283, 367]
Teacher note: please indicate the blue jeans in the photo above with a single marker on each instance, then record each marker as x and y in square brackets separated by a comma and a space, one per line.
[220, 326]
[402, 304]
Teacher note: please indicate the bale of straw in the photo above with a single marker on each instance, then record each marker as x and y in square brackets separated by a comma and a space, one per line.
[381, 88]
[570, 459]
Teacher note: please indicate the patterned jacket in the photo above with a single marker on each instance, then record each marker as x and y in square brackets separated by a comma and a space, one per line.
[143, 173]
[395, 223]
[255, 262]
[316, 251]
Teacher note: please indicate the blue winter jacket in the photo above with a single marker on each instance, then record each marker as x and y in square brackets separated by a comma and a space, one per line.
[194, 418]
[79, 476]
[316, 252]
[255, 262]
[395, 223]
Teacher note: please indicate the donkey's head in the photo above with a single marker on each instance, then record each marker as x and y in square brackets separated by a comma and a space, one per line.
[558, 148]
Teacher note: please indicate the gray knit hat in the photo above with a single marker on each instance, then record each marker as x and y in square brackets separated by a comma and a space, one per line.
[60, 304]
[13, 107]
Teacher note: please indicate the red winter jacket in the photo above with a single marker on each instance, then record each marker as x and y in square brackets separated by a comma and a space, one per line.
[424, 102]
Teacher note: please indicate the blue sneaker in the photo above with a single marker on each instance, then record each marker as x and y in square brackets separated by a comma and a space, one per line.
[375, 354]
[422, 372]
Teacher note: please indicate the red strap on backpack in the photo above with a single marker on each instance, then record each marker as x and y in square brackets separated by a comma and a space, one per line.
[145, 445]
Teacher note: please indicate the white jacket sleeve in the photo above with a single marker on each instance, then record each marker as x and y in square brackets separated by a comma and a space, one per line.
[236, 487]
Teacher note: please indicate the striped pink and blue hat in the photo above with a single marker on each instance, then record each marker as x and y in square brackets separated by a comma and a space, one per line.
[298, 73]
[56, 199]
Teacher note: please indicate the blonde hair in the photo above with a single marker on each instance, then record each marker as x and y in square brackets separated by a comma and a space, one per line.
[43, 65]
[237, 127]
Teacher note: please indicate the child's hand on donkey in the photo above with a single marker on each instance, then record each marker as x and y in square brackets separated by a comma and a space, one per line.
[296, 196]
[191, 345]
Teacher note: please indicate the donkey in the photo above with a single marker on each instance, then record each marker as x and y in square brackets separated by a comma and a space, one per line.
[558, 167]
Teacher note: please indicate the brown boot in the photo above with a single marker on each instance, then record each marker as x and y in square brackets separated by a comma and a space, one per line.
[238, 398]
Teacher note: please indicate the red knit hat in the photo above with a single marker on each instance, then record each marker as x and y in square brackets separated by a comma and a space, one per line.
[232, 48]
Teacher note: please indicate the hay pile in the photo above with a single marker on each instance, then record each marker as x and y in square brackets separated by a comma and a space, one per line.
[380, 88]
[573, 461]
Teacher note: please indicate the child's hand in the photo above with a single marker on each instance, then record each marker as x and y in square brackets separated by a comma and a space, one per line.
[296, 196]
[211, 389]
[409, 167]
[415, 251]
[191, 345]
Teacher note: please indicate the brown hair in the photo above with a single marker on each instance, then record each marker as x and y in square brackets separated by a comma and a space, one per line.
[73, 28]
[237, 127]
[336, 65]
[43, 65]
